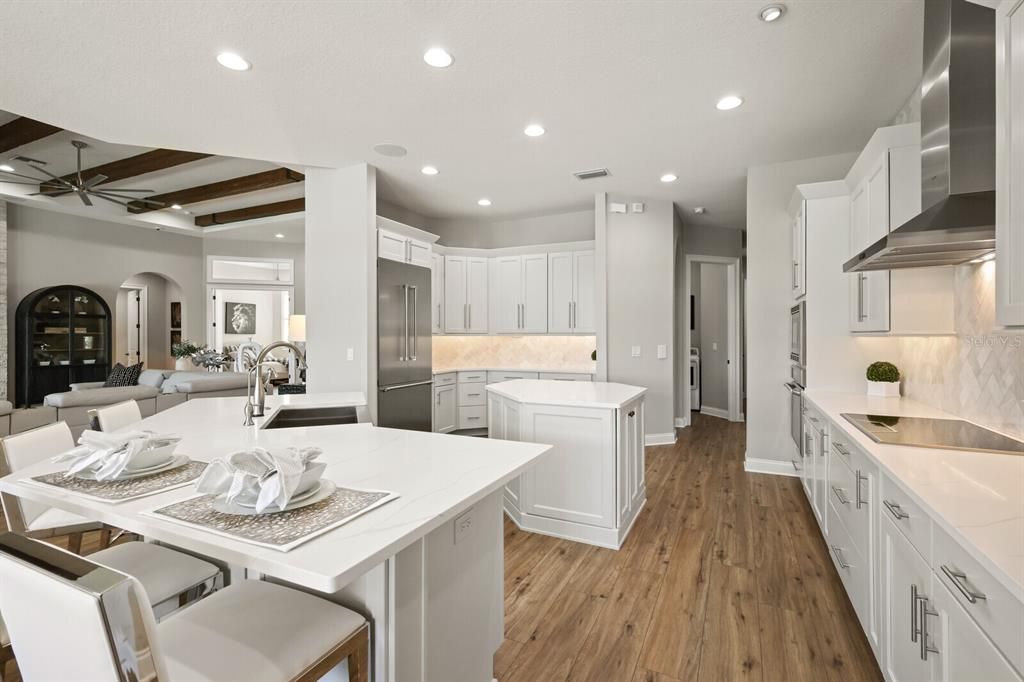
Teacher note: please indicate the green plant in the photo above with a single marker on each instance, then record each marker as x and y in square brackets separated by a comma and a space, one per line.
[185, 349]
[593, 355]
[883, 371]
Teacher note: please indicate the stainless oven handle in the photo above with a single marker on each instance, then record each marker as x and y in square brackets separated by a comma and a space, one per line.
[793, 388]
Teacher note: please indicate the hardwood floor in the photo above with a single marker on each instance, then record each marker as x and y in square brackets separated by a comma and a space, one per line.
[725, 576]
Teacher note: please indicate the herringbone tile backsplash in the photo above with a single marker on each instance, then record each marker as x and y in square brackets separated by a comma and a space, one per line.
[977, 374]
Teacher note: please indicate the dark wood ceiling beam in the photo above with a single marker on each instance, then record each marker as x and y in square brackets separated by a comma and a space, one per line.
[23, 130]
[140, 164]
[218, 190]
[251, 212]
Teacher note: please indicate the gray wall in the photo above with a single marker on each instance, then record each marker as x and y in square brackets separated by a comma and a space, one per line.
[574, 226]
[768, 297]
[386, 209]
[47, 248]
[640, 304]
[255, 249]
[712, 241]
[713, 335]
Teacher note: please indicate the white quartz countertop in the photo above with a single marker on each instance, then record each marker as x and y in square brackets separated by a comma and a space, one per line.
[581, 368]
[976, 497]
[567, 393]
[437, 477]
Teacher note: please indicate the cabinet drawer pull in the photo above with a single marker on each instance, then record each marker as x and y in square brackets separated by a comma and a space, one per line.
[926, 647]
[914, 630]
[632, 413]
[472, 418]
[840, 448]
[840, 495]
[795, 465]
[896, 510]
[473, 395]
[860, 477]
[839, 557]
[959, 578]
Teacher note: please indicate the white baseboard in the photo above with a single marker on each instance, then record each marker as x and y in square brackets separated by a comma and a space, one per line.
[681, 422]
[769, 466]
[660, 438]
[714, 412]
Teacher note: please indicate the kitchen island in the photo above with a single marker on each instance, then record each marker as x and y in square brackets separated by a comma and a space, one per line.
[425, 568]
[590, 487]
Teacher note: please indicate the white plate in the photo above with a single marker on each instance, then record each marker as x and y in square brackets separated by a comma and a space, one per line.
[312, 490]
[174, 463]
[323, 491]
[149, 469]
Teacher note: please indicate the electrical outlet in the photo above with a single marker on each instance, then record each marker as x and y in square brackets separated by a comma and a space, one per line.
[662, 351]
[635, 351]
[637, 207]
[463, 524]
[714, 345]
[616, 208]
[350, 354]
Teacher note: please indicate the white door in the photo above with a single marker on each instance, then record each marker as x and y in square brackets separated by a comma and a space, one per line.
[437, 293]
[1009, 268]
[964, 651]
[534, 316]
[444, 409]
[560, 292]
[418, 253]
[391, 246]
[583, 314]
[906, 580]
[506, 292]
[476, 295]
[456, 313]
[135, 318]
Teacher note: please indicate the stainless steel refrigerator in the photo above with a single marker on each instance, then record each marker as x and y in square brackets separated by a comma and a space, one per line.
[404, 377]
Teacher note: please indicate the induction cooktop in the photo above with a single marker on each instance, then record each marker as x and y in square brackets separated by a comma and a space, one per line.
[948, 434]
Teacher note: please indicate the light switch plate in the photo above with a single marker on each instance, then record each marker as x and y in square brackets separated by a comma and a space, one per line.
[350, 354]
[463, 524]
[635, 351]
[637, 207]
[662, 351]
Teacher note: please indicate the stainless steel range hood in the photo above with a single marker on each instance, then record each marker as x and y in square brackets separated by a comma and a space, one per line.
[958, 146]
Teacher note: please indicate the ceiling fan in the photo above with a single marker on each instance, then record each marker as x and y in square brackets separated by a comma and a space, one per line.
[56, 186]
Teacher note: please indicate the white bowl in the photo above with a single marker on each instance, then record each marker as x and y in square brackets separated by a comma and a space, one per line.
[158, 451]
[310, 477]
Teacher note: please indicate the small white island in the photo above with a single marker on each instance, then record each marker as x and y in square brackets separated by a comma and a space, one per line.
[590, 486]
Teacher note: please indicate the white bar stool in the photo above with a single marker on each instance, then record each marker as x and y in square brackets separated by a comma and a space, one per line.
[119, 416]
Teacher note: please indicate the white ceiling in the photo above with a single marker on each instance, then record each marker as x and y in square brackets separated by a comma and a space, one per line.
[626, 85]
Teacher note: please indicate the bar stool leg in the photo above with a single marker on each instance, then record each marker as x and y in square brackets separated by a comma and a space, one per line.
[75, 543]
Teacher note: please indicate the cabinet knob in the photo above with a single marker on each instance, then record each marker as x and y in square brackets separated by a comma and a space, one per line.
[632, 413]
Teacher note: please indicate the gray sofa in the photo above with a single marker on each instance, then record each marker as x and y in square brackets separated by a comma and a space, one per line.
[158, 390]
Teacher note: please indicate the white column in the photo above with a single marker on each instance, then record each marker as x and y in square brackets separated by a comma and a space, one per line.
[341, 285]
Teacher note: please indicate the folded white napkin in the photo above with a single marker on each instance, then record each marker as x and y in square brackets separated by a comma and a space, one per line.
[106, 454]
[271, 476]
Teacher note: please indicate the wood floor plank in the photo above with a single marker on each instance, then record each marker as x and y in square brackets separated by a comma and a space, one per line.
[732, 640]
[787, 653]
[505, 657]
[642, 675]
[540, 588]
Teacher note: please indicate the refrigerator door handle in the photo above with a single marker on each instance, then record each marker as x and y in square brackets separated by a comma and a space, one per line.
[386, 389]
[415, 321]
[405, 323]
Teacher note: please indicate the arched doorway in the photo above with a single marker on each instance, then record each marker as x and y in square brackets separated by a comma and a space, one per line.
[149, 315]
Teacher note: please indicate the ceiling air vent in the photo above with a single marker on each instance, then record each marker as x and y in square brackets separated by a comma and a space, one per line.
[591, 174]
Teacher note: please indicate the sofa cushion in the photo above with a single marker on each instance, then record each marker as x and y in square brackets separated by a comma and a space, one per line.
[100, 396]
[122, 376]
[5, 407]
[154, 377]
[211, 381]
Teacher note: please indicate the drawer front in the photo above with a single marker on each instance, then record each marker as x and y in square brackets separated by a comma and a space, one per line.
[472, 394]
[444, 379]
[466, 377]
[816, 418]
[472, 417]
[842, 495]
[495, 377]
[562, 376]
[907, 516]
[842, 442]
[994, 608]
[852, 568]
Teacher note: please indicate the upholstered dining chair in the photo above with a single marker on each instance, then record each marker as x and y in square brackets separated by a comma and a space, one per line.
[171, 578]
[119, 416]
[101, 623]
[6, 652]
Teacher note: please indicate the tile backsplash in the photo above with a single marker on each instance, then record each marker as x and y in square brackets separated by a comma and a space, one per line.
[977, 374]
[554, 353]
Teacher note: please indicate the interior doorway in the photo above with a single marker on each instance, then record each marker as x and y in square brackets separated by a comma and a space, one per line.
[241, 314]
[148, 313]
[713, 372]
[132, 325]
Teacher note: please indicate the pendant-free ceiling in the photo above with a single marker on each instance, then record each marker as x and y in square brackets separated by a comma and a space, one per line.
[56, 186]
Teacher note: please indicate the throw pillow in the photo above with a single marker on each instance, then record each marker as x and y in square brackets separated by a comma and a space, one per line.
[124, 376]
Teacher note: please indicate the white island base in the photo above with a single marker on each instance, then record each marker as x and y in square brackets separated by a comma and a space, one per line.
[590, 486]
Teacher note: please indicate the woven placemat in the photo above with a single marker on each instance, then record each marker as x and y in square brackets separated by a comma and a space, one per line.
[122, 491]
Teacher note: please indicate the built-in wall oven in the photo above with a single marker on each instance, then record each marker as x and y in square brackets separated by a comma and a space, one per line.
[797, 378]
[798, 334]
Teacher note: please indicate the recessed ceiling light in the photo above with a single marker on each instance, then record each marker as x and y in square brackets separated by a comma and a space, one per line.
[429, 170]
[390, 149]
[484, 202]
[176, 207]
[230, 60]
[772, 13]
[668, 177]
[729, 102]
[278, 236]
[700, 210]
[6, 169]
[438, 58]
[534, 130]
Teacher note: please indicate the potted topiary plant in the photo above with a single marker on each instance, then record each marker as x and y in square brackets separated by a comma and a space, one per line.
[183, 353]
[883, 379]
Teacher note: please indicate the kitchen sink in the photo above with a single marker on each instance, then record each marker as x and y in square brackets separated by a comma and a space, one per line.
[304, 417]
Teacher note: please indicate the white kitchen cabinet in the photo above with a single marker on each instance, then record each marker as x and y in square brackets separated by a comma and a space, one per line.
[519, 294]
[397, 247]
[571, 304]
[436, 293]
[503, 422]
[445, 414]
[1010, 163]
[885, 192]
[816, 464]
[465, 294]
[799, 271]
[630, 463]
[907, 581]
[565, 376]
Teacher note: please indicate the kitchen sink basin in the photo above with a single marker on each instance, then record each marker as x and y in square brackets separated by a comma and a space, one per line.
[304, 417]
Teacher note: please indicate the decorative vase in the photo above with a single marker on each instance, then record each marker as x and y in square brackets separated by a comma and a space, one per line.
[884, 389]
[182, 364]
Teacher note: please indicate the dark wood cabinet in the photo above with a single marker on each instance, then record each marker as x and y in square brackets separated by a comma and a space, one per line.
[62, 336]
